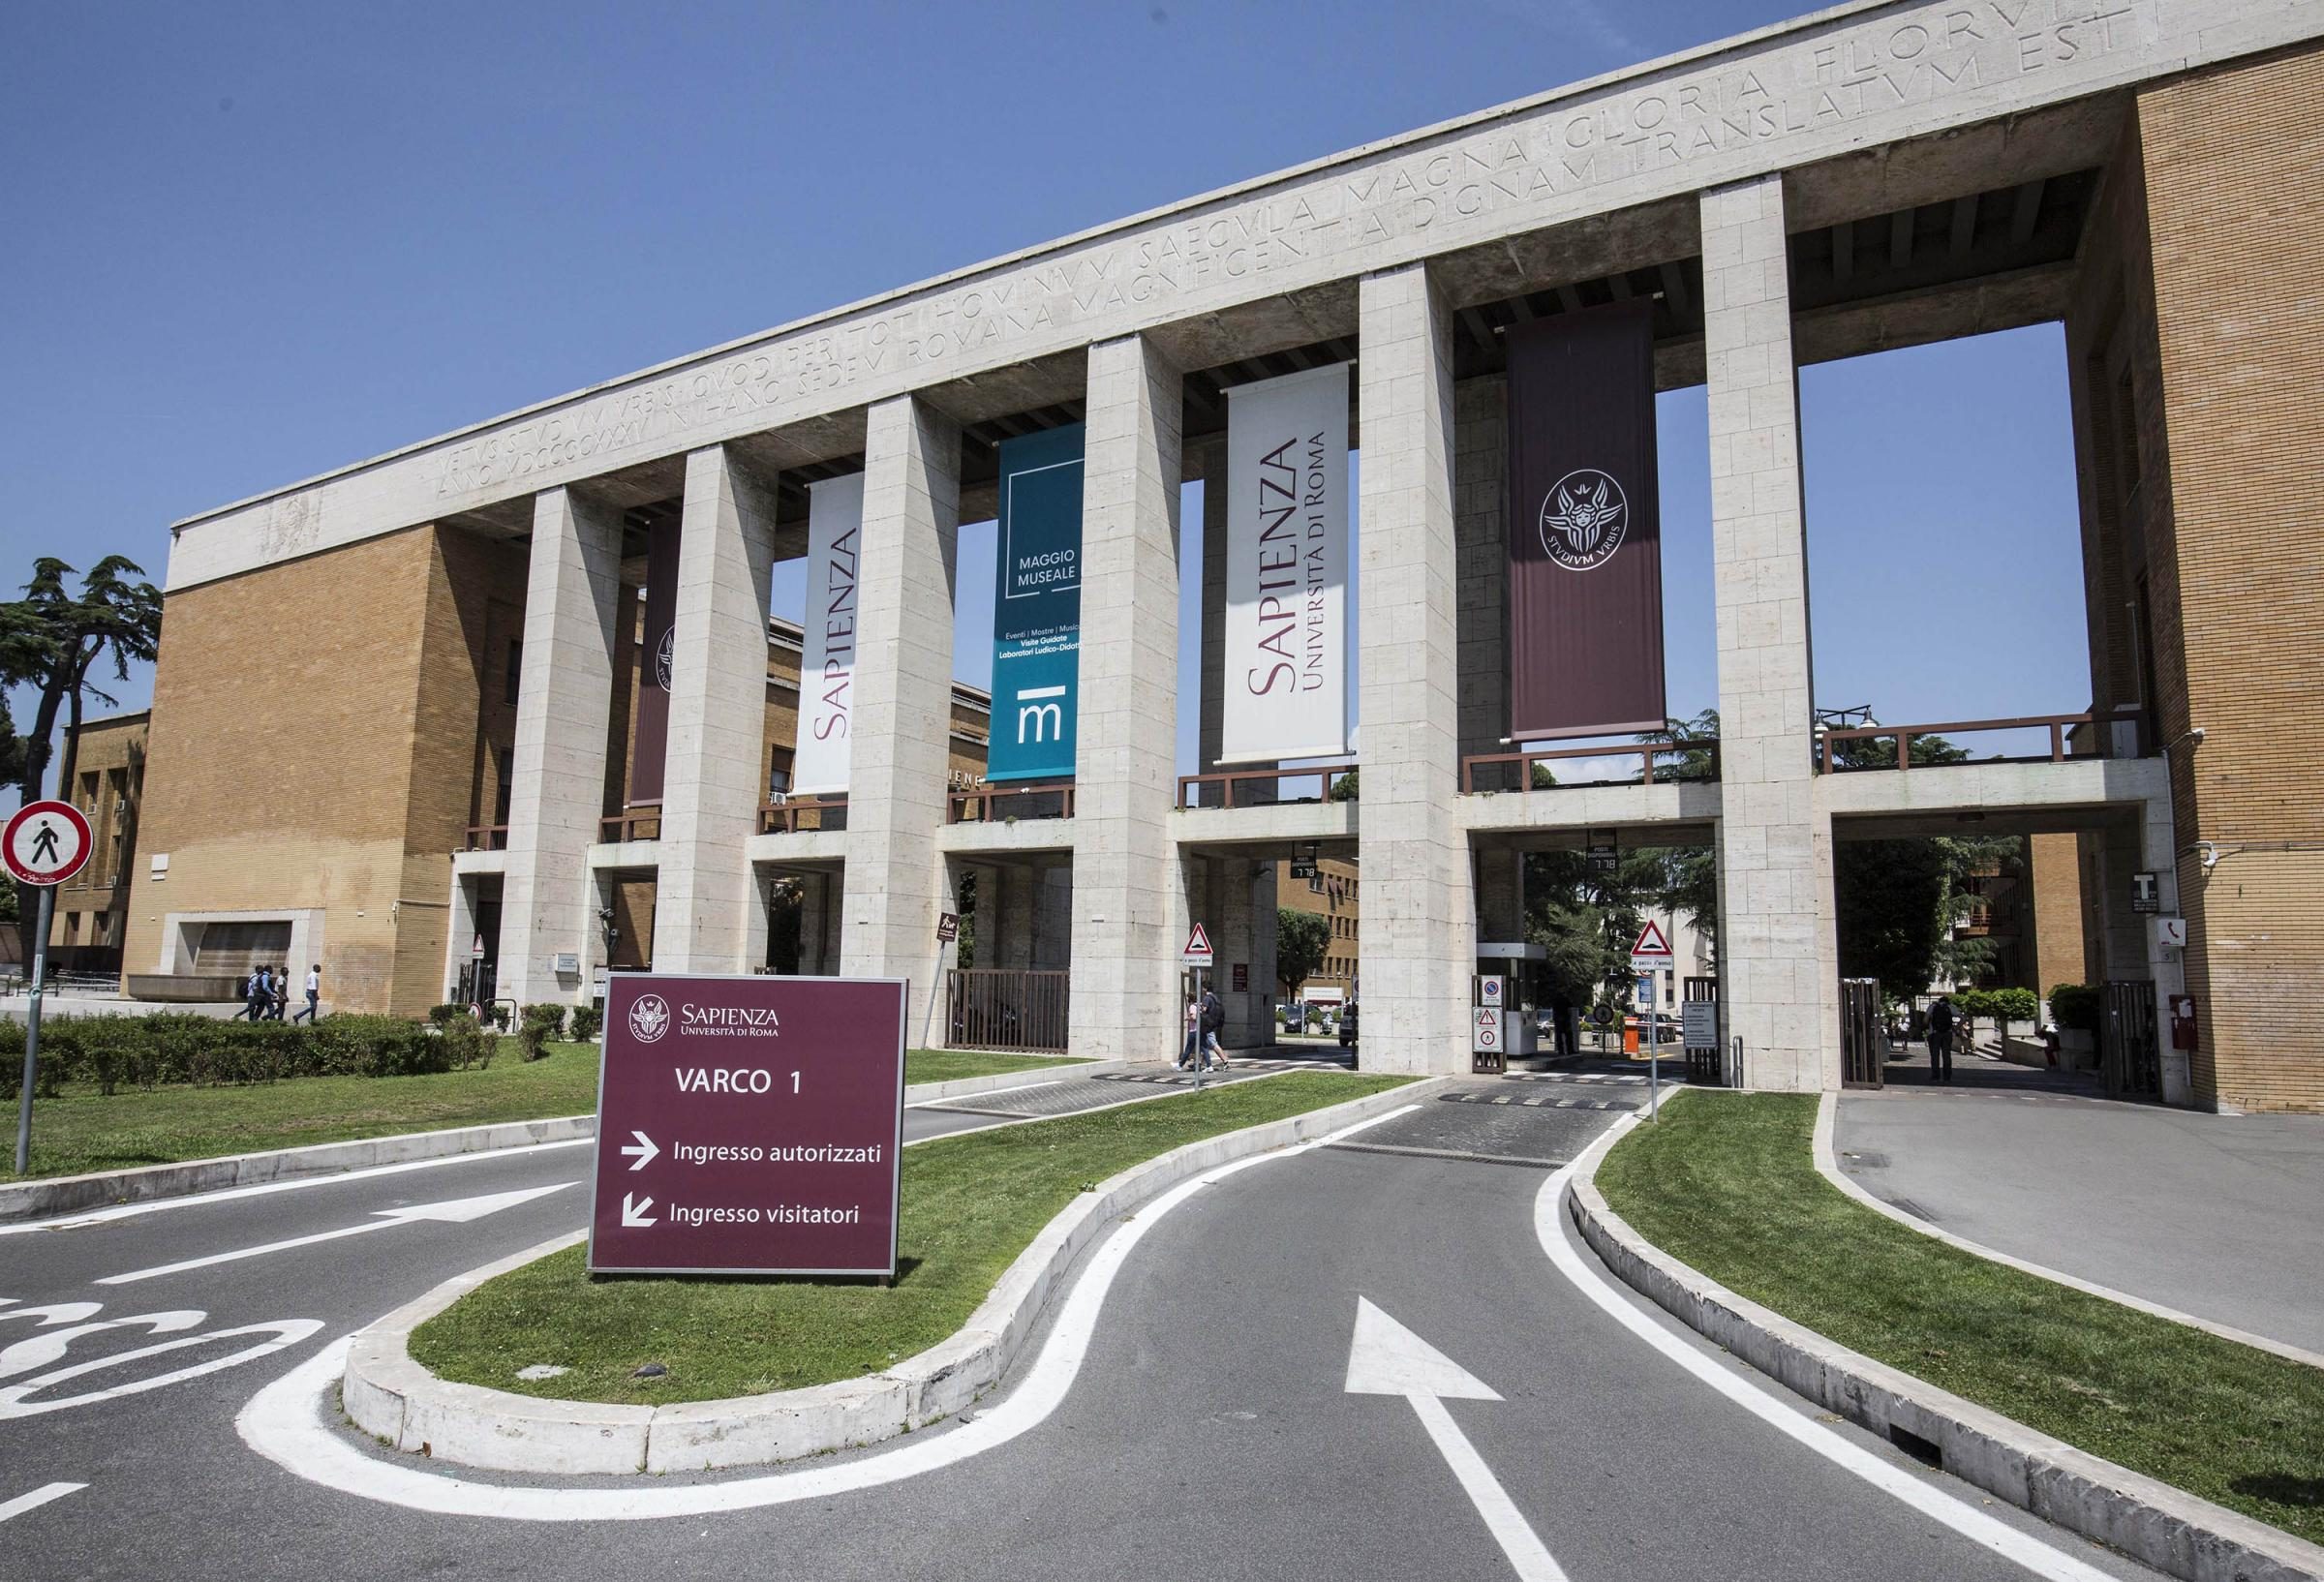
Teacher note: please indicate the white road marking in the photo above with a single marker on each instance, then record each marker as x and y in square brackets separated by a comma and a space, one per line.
[1386, 1358]
[286, 1333]
[44, 1348]
[283, 1422]
[456, 1211]
[37, 1498]
[2020, 1548]
[123, 1211]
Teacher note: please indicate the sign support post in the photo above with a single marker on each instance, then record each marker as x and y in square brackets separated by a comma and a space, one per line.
[1198, 955]
[32, 1031]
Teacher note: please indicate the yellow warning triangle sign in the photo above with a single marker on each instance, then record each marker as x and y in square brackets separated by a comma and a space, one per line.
[1198, 944]
[1651, 941]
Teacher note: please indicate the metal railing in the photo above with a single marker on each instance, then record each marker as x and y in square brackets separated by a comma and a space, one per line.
[1325, 778]
[1646, 752]
[991, 803]
[2058, 725]
[487, 837]
[637, 823]
[795, 814]
[999, 1008]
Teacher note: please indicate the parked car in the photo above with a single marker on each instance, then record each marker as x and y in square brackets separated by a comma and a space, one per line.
[1347, 1028]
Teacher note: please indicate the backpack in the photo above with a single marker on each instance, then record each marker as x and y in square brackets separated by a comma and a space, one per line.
[1214, 1015]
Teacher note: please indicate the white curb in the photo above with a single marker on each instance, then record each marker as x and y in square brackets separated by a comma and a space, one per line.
[391, 1397]
[2166, 1527]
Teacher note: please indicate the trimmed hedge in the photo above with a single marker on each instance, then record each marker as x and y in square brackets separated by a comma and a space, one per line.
[2075, 1007]
[149, 1051]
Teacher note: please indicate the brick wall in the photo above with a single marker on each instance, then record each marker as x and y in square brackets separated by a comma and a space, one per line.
[2204, 281]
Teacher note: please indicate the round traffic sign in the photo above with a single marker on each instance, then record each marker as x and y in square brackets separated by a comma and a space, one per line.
[45, 842]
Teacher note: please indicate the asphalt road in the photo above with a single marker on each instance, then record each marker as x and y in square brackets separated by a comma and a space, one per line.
[2214, 1215]
[1207, 1434]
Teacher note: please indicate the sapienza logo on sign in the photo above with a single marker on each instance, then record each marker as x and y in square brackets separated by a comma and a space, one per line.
[1583, 519]
[757, 1121]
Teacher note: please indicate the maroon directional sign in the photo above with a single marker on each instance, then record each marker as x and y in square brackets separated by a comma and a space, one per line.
[748, 1125]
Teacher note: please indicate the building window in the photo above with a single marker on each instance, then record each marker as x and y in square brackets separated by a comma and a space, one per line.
[778, 776]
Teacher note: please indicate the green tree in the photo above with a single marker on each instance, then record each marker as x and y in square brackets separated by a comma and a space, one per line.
[1301, 941]
[1345, 789]
[51, 640]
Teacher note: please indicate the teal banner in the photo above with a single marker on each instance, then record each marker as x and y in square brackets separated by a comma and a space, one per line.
[1037, 607]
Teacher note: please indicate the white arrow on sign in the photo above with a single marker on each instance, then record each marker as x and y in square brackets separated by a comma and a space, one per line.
[1386, 1358]
[633, 1212]
[642, 1150]
[458, 1211]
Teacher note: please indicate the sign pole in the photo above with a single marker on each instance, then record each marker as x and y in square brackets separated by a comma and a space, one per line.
[935, 984]
[1654, 1065]
[32, 1031]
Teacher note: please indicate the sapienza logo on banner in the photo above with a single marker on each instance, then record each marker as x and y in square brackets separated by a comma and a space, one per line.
[835, 520]
[1287, 568]
[648, 1017]
[1583, 519]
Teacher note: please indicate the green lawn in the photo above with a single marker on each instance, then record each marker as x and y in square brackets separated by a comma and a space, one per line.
[81, 1130]
[1728, 1184]
[971, 1204]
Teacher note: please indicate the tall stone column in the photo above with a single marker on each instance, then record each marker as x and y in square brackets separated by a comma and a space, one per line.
[896, 882]
[1129, 903]
[1420, 930]
[557, 788]
[1779, 967]
[715, 779]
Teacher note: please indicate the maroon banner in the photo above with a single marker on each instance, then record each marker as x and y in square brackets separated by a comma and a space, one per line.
[748, 1125]
[1585, 551]
[652, 746]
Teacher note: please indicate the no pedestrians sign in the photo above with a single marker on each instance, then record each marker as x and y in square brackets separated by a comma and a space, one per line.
[45, 842]
[748, 1125]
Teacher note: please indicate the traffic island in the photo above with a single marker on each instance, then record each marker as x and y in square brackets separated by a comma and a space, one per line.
[757, 1371]
[2195, 1454]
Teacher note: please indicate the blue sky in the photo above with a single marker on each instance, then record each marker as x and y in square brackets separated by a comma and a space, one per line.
[254, 242]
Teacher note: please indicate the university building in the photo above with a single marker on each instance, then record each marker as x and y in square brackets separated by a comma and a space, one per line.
[487, 704]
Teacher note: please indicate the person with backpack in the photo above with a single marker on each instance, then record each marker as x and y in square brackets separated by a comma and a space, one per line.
[1941, 1039]
[1214, 1020]
[254, 996]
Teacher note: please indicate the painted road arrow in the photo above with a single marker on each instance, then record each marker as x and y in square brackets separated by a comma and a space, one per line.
[633, 1212]
[458, 1211]
[1386, 1358]
[642, 1150]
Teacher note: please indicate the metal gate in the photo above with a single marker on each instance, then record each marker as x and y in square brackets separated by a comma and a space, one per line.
[1863, 1040]
[994, 1008]
[2129, 1060]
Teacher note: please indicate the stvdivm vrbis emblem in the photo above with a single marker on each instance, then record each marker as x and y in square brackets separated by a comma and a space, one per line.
[1583, 519]
[665, 656]
[648, 1017]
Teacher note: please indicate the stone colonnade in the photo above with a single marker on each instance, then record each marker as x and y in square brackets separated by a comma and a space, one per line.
[1132, 894]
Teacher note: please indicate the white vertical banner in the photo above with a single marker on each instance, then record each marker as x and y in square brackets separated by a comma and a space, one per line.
[1285, 682]
[834, 521]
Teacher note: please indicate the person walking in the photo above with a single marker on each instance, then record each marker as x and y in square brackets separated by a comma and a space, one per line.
[278, 993]
[314, 995]
[254, 996]
[1191, 1044]
[1941, 1041]
[1214, 1020]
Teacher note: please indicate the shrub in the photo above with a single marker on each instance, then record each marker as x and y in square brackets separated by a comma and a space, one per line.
[541, 1023]
[440, 1015]
[466, 1046]
[587, 1020]
[2075, 1007]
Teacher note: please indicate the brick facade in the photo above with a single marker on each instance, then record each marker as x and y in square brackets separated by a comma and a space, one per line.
[2196, 368]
